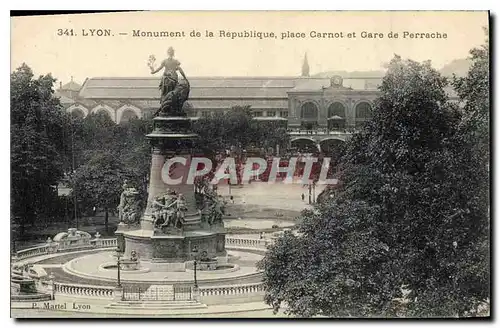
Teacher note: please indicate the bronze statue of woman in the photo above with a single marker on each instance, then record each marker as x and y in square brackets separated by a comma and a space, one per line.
[169, 80]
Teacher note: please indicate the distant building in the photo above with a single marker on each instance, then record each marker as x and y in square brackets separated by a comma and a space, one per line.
[322, 106]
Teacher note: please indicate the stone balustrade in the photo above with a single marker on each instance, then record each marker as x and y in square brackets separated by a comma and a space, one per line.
[246, 242]
[209, 295]
[33, 251]
[97, 243]
[232, 290]
[104, 243]
[232, 294]
[84, 290]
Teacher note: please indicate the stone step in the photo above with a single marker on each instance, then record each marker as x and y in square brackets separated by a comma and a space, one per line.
[151, 305]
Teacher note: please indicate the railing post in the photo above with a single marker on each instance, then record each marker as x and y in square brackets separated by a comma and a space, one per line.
[195, 292]
[98, 240]
[118, 294]
[50, 287]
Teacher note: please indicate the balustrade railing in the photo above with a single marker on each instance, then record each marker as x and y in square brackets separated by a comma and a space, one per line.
[54, 247]
[33, 251]
[107, 292]
[246, 242]
[322, 132]
[84, 290]
[104, 243]
[232, 290]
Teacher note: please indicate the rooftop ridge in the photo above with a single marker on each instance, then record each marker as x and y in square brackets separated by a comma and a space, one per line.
[232, 78]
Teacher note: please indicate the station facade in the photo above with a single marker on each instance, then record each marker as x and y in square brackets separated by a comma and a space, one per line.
[314, 108]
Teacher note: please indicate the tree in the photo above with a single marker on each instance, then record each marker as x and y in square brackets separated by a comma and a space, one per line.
[404, 225]
[36, 145]
[111, 154]
[135, 152]
[99, 182]
[236, 131]
[473, 139]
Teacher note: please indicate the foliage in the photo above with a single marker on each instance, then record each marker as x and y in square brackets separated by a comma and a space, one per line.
[411, 219]
[236, 130]
[36, 144]
[112, 154]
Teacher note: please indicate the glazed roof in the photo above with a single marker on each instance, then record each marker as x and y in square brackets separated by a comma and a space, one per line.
[216, 92]
[203, 87]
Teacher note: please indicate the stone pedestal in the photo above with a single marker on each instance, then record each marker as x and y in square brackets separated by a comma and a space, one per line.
[118, 294]
[50, 287]
[120, 240]
[196, 294]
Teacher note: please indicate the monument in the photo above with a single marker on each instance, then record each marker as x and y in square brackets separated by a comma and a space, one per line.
[173, 225]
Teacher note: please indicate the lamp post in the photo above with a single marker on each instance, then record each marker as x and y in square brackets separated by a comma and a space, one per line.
[309, 193]
[194, 253]
[118, 256]
[73, 167]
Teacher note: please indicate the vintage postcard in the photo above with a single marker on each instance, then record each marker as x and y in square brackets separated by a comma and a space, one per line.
[250, 165]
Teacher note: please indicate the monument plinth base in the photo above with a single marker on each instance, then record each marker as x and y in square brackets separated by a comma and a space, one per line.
[155, 246]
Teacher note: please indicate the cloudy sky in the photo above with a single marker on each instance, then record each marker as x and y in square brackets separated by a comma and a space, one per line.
[34, 40]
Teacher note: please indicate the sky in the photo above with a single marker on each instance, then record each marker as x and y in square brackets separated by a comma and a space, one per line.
[35, 41]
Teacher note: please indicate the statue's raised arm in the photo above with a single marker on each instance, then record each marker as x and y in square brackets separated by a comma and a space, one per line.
[173, 94]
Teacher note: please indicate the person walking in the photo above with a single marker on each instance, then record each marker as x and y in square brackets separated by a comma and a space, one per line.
[303, 196]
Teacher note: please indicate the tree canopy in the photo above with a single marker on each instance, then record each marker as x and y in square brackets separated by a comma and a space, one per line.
[110, 155]
[49, 146]
[37, 144]
[408, 231]
[237, 129]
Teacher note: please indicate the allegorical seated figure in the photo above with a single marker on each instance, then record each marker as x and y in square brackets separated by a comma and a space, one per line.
[167, 210]
[173, 93]
[129, 209]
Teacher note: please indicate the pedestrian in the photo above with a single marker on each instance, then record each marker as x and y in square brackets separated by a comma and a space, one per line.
[303, 196]
[232, 199]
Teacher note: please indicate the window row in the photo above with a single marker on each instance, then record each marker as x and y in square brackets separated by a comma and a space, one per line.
[336, 110]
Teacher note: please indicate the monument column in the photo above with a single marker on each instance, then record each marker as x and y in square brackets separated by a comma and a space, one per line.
[172, 223]
[172, 137]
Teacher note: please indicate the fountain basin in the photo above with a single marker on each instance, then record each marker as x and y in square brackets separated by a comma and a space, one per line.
[111, 266]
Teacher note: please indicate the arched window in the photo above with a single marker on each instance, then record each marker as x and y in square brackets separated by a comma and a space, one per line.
[102, 111]
[305, 145]
[309, 111]
[110, 112]
[78, 113]
[336, 109]
[328, 146]
[363, 112]
[127, 115]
